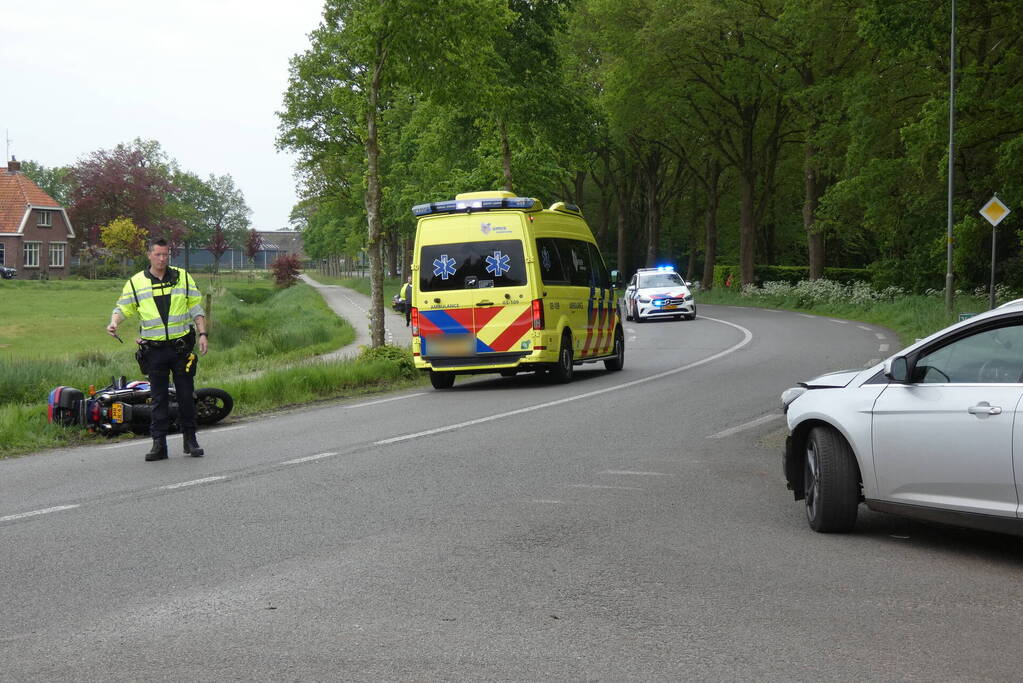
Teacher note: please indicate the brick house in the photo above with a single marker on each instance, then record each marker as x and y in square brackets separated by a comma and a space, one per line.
[35, 232]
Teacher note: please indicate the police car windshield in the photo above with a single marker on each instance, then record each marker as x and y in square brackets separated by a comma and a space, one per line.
[660, 280]
[471, 265]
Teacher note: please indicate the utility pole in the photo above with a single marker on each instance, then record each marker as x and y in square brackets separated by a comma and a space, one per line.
[951, 157]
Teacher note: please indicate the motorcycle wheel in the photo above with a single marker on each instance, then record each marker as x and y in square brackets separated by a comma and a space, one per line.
[212, 405]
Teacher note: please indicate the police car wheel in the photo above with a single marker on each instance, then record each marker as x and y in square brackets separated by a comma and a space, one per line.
[442, 380]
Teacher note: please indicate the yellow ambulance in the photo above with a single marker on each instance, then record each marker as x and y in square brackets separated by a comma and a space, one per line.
[502, 285]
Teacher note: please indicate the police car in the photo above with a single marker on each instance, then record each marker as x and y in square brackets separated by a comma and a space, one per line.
[658, 293]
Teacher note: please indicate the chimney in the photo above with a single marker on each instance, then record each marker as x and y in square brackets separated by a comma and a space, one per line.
[13, 166]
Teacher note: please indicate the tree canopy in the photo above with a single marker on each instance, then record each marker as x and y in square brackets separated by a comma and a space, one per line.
[703, 132]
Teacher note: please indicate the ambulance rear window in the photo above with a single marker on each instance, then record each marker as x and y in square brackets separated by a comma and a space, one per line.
[471, 265]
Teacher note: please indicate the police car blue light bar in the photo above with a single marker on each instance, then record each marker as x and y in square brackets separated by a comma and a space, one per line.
[470, 205]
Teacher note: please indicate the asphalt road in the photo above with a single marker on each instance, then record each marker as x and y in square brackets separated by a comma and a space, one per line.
[627, 526]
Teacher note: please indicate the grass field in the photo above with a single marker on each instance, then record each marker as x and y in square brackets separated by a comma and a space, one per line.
[53, 333]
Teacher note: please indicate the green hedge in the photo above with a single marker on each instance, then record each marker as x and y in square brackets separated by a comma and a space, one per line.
[789, 274]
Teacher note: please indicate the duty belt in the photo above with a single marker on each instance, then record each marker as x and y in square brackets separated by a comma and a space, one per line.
[178, 343]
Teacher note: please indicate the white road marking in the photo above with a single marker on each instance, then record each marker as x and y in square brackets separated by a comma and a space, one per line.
[872, 361]
[747, 338]
[807, 315]
[135, 442]
[546, 501]
[879, 335]
[598, 486]
[308, 458]
[634, 473]
[840, 322]
[882, 348]
[194, 482]
[763, 419]
[864, 327]
[225, 429]
[23, 515]
[386, 400]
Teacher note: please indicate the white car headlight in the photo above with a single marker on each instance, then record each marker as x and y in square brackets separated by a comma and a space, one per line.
[644, 300]
[790, 395]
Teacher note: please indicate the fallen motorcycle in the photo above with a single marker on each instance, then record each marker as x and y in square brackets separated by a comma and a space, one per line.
[124, 406]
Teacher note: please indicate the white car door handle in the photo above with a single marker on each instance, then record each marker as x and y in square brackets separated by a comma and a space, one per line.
[984, 408]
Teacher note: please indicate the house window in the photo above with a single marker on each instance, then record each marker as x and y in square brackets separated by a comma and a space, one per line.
[31, 256]
[45, 219]
[3, 262]
[57, 254]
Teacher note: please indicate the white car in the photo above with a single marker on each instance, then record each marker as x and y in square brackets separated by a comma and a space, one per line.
[930, 433]
[658, 293]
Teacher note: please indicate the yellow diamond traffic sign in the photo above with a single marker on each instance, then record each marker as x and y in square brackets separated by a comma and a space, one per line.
[994, 211]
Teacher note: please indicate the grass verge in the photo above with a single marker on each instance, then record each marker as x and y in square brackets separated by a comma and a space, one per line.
[911, 316]
[55, 337]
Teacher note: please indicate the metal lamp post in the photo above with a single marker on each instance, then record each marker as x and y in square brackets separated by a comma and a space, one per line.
[951, 157]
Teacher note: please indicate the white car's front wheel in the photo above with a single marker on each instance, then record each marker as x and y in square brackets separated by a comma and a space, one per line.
[830, 482]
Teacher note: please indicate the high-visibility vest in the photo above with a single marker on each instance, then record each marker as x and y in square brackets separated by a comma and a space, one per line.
[406, 291]
[185, 304]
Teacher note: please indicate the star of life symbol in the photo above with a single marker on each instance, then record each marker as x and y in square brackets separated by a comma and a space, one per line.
[498, 264]
[444, 266]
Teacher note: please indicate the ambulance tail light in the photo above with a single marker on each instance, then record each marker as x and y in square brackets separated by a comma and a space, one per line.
[414, 319]
[538, 321]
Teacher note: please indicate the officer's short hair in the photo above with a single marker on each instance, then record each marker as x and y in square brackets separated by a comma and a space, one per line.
[158, 242]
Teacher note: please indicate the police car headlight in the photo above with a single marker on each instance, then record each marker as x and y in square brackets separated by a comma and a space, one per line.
[790, 395]
[644, 300]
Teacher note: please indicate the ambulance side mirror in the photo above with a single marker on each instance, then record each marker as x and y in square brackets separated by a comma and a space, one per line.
[616, 279]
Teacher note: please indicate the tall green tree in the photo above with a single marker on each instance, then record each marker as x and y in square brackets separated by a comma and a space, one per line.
[361, 52]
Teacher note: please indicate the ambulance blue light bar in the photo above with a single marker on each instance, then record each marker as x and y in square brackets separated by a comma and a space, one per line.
[470, 205]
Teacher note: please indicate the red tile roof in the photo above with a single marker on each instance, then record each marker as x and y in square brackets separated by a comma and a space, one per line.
[17, 192]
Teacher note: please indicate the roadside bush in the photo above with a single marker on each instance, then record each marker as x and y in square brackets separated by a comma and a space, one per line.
[400, 357]
[789, 274]
[285, 270]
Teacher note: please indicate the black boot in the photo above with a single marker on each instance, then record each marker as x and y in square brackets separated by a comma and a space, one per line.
[159, 449]
[192, 447]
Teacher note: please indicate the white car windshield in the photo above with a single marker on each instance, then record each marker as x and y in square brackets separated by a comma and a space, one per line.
[660, 280]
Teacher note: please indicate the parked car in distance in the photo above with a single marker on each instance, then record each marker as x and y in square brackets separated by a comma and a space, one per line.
[928, 433]
[7, 272]
[658, 293]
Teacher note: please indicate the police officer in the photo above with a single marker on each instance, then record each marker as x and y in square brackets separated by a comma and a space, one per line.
[168, 304]
[406, 294]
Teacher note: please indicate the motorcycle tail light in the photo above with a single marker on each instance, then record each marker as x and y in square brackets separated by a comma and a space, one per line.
[94, 412]
[538, 320]
[414, 321]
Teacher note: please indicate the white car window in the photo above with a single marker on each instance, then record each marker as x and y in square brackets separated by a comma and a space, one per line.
[988, 357]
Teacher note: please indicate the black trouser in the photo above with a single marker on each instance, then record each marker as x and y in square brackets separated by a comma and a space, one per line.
[161, 362]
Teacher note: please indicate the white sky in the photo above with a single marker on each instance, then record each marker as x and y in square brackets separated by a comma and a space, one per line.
[202, 77]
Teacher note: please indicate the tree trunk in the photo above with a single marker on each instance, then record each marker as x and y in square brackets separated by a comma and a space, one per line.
[372, 200]
[747, 230]
[813, 190]
[392, 254]
[506, 157]
[711, 224]
[653, 218]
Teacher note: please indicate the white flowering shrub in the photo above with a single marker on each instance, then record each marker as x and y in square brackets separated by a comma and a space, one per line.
[810, 292]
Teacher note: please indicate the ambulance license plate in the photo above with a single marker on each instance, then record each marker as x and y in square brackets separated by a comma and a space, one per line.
[449, 345]
[117, 412]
